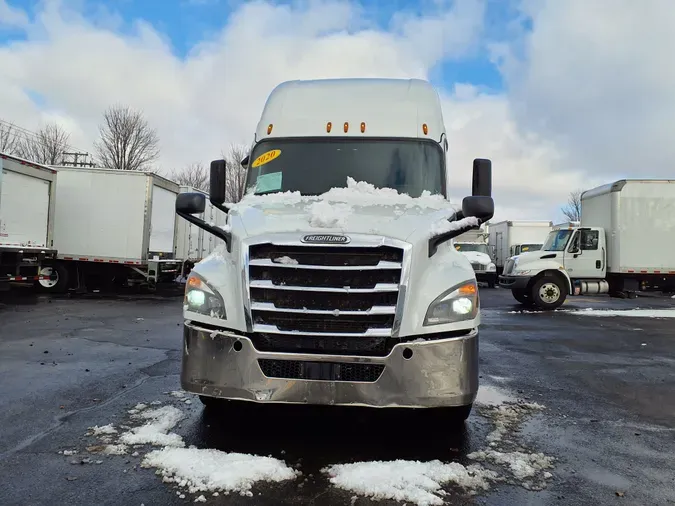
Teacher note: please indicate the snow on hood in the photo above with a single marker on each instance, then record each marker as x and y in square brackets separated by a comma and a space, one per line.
[358, 208]
[477, 257]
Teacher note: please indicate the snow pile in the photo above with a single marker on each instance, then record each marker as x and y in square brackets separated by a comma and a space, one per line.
[522, 465]
[286, 260]
[103, 430]
[507, 417]
[115, 449]
[412, 481]
[323, 214]
[444, 226]
[286, 198]
[363, 193]
[633, 313]
[213, 470]
[156, 430]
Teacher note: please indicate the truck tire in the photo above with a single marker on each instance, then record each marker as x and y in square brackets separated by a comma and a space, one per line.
[522, 297]
[549, 293]
[58, 285]
[492, 282]
[454, 417]
[211, 402]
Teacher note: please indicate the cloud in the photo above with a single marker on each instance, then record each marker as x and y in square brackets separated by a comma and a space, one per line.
[588, 93]
[12, 17]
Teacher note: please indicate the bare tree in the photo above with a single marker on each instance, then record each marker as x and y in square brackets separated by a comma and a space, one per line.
[572, 210]
[46, 146]
[236, 173]
[10, 140]
[194, 175]
[127, 141]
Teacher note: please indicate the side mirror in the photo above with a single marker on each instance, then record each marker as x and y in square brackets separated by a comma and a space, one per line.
[244, 162]
[218, 182]
[482, 178]
[479, 207]
[190, 203]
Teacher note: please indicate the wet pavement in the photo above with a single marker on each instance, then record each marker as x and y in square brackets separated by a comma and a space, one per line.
[607, 386]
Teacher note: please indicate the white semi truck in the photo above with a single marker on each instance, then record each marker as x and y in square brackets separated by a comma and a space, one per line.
[625, 242]
[509, 238]
[112, 228]
[474, 246]
[337, 283]
[27, 195]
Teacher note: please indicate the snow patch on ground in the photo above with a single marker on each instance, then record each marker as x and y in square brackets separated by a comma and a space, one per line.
[444, 226]
[417, 482]
[522, 465]
[633, 313]
[212, 470]
[103, 430]
[119, 449]
[286, 260]
[323, 214]
[156, 430]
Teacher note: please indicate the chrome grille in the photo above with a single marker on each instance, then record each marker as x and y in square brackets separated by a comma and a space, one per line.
[508, 266]
[477, 266]
[324, 293]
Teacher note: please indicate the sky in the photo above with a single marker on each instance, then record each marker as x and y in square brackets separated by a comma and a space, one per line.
[560, 95]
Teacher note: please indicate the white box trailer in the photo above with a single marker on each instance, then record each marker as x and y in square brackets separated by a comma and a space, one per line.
[27, 192]
[509, 238]
[114, 227]
[625, 243]
[193, 243]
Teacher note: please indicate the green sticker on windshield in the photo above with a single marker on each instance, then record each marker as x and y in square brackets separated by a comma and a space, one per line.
[268, 182]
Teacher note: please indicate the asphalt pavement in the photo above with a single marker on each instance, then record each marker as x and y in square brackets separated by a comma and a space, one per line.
[605, 386]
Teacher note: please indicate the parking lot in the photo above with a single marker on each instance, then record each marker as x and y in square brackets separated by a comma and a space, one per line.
[584, 398]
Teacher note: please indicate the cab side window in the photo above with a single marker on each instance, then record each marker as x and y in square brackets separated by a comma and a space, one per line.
[589, 239]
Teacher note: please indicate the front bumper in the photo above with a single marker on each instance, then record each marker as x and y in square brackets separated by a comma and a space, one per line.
[514, 282]
[486, 276]
[440, 373]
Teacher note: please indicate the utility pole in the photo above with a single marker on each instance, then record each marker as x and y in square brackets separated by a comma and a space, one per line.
[75, 160]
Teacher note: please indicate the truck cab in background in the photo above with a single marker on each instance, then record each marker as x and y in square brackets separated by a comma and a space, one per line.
[473, 245]
[605, 253]
[337, 283]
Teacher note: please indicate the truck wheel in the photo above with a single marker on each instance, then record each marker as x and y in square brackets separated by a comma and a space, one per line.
[58, 285]
[456, 416]
[522, 297]
[492, 282]
[211, 402]
[549, 293]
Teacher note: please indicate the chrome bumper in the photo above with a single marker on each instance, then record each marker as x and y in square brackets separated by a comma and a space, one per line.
[440, 373]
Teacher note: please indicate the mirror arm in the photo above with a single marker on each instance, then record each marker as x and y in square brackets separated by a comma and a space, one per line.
[223, 207]
[218, 232]
[437, 240]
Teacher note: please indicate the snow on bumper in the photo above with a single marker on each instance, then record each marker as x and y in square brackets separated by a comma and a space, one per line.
[439, 373]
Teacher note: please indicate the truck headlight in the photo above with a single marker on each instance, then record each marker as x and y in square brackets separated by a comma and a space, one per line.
[455, 305]
[521, 272]
[200, 298]
[491, 267]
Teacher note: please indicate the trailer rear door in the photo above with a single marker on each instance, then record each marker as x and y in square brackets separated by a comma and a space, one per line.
[24, 210]
[162, 220]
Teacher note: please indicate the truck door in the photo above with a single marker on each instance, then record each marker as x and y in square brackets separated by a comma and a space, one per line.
[585, 254]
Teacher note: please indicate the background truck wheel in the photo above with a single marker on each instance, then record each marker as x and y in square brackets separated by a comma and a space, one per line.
[492, 283]
[57, 285]
[522, 297]
[549, 293]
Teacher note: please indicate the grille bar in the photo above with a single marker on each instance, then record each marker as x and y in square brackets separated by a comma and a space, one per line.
[268, 284]
[321, 371]
[273, 329]
[374, 310]
[266, 262]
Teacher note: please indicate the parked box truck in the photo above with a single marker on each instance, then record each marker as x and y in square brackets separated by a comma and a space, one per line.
[337, 283]
[114, 228]
[27, 197]
[193, 243]
[509, 238]
[474, 246]
[625, 242]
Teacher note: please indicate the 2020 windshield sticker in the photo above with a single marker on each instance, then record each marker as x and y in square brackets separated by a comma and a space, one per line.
[268, 182]
[266, 157]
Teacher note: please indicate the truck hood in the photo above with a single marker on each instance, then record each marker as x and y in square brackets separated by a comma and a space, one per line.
[398, 218]
[477, 257]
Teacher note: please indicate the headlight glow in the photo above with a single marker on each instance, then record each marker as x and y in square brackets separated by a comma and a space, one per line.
[457, 304]
[200, 298]
[491, 267]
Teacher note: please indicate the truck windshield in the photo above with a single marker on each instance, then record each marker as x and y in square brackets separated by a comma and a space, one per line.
[557, 240]
[314, 166]
[480, 248]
